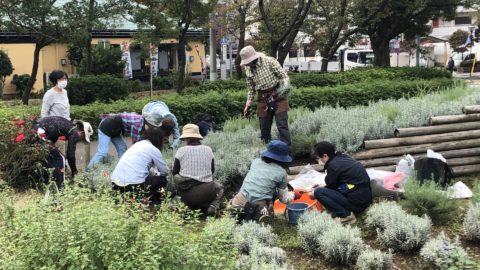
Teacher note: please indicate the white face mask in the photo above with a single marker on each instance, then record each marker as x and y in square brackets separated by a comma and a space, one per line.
[62, 84]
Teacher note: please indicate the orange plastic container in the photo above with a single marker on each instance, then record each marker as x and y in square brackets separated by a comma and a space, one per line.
[280, 208]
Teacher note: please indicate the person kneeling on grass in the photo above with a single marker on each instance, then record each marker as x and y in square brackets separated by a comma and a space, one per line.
[132, 171]
[193, 170]
[265, 178]
[347, 191]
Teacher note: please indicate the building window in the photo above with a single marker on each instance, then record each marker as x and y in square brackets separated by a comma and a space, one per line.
[352, 57]
[436, 23]
[463, 20]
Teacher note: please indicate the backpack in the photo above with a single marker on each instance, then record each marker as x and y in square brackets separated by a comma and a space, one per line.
[433, 169]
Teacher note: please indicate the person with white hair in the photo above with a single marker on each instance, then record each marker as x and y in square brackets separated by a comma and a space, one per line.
[267, 77]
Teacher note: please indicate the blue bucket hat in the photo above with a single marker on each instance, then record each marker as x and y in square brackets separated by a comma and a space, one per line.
[277, 150]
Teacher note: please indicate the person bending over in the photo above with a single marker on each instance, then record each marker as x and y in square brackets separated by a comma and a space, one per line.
[132, 171]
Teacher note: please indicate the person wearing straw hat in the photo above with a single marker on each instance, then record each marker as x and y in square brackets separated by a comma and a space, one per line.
[54, 127]
[193, 173]
[266, 177]
[267, 77]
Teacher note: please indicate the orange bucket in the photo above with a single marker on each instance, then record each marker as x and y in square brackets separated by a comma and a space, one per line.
[280, 208]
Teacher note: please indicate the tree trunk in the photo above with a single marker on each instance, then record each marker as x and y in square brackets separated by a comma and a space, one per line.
[241, 43]
[381, 50]
[324, 67]
[471, 109]
[182, 61]
[33, 74]
[88, 38]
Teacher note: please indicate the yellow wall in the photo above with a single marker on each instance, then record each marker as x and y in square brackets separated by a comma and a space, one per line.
[21, 56]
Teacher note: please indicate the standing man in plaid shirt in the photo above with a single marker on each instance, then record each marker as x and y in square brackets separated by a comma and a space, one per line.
[267, 77]
[111, 128]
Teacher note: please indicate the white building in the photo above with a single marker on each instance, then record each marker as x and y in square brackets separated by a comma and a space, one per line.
[465, 19]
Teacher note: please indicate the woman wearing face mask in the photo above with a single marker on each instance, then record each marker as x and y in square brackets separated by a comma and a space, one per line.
[55, 100]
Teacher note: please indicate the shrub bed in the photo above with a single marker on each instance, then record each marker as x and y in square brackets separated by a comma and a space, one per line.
[230, 104]
[103, 88]
[90, 231]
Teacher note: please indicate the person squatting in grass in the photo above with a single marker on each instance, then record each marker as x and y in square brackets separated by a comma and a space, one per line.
[347, 191]
[54, 127]
[132, 174]
[266, 178]
[193, 173]
[267, 77]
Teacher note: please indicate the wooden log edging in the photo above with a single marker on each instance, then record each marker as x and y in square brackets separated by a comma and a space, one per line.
[466, 170]
[296, 169]
[450, 119]
[471, 109]
[415, 149]
[429, 130]
[407, 141]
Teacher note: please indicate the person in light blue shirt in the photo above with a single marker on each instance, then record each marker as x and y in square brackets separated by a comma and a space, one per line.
[266, 177]
[155, 112]
[132, 171]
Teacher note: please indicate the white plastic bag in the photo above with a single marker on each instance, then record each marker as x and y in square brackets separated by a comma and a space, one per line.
[307, 178]
[405, 165]
[378, 175]
[433, 154]
[459, 191]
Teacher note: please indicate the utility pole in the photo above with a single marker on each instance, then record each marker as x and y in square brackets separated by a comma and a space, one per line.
[417, 51]
[213, 56]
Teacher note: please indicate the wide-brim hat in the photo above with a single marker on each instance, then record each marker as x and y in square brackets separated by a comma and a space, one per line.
[190, 131]
[87, 128]
[248, 54]
[277, 150]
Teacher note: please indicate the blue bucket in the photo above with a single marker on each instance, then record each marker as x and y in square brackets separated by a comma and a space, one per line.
[295, 210]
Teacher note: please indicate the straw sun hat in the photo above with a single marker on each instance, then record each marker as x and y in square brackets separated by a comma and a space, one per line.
[190, 131]
[248, 54]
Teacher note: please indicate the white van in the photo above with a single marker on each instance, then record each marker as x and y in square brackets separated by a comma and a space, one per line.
[357, 58]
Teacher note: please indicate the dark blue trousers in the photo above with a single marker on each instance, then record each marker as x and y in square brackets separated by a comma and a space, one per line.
[334, 201]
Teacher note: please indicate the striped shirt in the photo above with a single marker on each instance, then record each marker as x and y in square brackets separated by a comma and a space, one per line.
[195, 162]
[265, 74]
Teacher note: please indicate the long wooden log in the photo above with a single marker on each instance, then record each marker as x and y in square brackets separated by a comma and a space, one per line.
[466, 170]
[444, 137]
[429, 130]
[471, 109]
[415, 149]
[454, 156]
[462, 161]
[457, 118]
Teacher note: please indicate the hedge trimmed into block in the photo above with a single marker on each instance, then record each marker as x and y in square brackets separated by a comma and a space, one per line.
[224, 105]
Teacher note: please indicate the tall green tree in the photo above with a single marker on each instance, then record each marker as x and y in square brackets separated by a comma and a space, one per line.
[6, 69]
[457, 40]
[173, 19]
[333, 23]
[409, 17]
[43, 20]
[89, 15]
[282, 21]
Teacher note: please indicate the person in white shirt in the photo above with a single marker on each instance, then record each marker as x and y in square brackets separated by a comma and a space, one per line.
[132, 171]
[55, 101]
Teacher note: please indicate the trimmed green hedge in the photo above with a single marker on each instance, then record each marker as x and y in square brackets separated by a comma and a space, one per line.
[358, 75]
[353, 76]
[224, 105]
